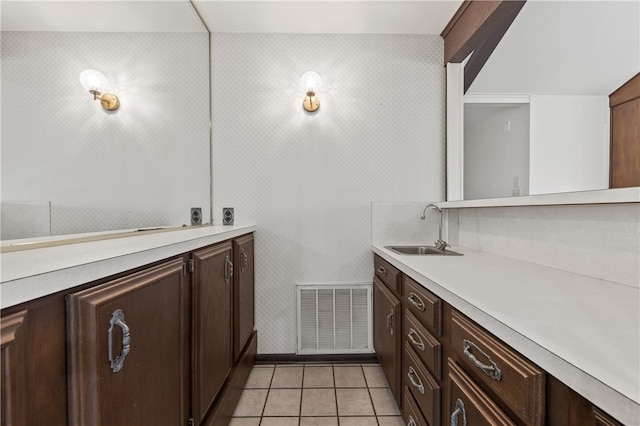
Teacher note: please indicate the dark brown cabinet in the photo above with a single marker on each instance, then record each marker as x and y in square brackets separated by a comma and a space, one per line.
[450, 371]
[13, 378]
[243, 293]
[170, 343]
[387, 334]
[127, 349]
[212, 291]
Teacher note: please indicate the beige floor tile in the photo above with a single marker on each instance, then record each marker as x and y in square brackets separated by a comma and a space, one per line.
[283, 402]
[318, 402]
[279, 421]
[264, 365]
[260, 378]
[318, 377]
[244, 421]
[287, 377]
[358, 421]
[349, 377]
[318, 421]
[383, 402]
[390, 421]
[354, 402]
[374, 375]
[251, 403]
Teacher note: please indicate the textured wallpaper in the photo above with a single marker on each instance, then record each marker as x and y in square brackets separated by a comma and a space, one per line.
[144, 165]
[308, 181]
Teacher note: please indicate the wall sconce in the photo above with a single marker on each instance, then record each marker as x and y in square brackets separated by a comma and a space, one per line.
[95, 82]
[311, 81]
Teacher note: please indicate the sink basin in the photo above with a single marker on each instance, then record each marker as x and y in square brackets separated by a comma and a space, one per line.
[422, 250]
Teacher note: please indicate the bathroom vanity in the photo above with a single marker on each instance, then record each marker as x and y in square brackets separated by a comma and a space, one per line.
[153, 328]
[486, 339]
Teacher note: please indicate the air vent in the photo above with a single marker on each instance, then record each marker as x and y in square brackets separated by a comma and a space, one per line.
[334, 319]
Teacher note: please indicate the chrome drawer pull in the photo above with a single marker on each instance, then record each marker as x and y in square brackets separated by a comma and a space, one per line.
[244, 260]
[459, 410]
[418, 384]
[415, 339]
[411, 422]
[416, 301]
[117, 318]
[390, 322]
[382, 271]
[490, 370]
[228, 270]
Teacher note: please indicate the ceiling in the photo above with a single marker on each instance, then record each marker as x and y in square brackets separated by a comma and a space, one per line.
[337, 16]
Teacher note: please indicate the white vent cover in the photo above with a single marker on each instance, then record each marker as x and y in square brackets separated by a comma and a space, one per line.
[334, 319]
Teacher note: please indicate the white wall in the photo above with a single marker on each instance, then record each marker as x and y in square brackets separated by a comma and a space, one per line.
[601, 241]
[569, 143]
[496, 150]
[144, 165]
[308, 181]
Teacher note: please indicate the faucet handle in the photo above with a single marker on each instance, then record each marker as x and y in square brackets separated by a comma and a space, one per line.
[441, 245]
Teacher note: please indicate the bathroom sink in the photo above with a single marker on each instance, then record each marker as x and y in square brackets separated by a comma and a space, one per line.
[422, 250]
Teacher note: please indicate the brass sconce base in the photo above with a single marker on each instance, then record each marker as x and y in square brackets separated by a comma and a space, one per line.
[311, 102]
[110, 102]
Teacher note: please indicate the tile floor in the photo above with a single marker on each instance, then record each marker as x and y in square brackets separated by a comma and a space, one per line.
[317, 395]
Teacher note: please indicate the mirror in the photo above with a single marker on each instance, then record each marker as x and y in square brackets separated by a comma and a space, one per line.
[73, 167]
[536, 118]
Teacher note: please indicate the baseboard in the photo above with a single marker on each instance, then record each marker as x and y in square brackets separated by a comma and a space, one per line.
[316, 359]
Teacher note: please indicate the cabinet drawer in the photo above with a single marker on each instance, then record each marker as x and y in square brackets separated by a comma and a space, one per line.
[518, 383]
[427, 347]
[422, 385]
[468, 404]
[388, 274]
[411, 413]
[426, 306]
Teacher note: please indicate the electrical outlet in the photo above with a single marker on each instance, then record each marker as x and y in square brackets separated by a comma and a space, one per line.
[196, 216]
[227, 215]
[515, 192]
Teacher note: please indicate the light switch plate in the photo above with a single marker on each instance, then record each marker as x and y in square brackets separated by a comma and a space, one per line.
[227, 215]
[196, 216]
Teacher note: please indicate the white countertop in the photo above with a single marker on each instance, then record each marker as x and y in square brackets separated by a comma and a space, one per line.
[582, 330]
[29, 274]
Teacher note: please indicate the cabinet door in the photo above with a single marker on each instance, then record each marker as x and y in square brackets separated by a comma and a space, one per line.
[387, 334]
[127, 348]
[243, 307]
[14, 397]
[212, 324]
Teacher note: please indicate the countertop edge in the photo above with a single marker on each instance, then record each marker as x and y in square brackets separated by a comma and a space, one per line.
[608, 399]
[16, 291]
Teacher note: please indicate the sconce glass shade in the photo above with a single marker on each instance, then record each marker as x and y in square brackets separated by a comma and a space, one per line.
[93, 80]
[311, 81]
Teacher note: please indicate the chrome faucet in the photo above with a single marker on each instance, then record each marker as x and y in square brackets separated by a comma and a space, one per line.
[439, 243]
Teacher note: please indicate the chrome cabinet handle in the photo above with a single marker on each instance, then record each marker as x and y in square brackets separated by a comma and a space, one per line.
[382, 271]
[228, 270]
[390, 322]
[415, 339]
[117, 318]
[411, 422]
[415, 380]
[416, 301]
[459, 410]
[244, 260]
[490, 370]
